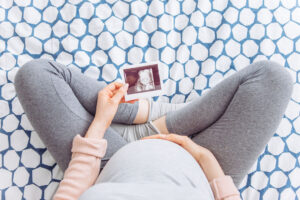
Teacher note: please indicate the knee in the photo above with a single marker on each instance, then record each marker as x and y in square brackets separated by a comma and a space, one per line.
[31, 68]
[29, 71]
[277, 75]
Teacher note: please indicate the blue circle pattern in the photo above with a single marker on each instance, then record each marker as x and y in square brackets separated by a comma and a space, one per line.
[198, 43]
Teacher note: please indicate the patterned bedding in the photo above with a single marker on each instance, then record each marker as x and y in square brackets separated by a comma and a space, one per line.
[198, 42]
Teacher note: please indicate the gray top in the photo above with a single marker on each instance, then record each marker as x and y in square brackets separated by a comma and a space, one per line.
[151, 169]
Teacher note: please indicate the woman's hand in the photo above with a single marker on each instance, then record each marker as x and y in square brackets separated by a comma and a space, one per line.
[108, 101]
[194, 149]
[203, 156]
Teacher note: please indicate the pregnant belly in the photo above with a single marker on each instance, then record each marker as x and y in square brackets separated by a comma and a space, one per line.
[153, 160]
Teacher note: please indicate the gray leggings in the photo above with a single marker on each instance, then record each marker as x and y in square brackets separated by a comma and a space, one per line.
[235, 119]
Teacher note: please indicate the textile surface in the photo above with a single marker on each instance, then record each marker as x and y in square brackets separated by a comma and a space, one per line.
[198, 43]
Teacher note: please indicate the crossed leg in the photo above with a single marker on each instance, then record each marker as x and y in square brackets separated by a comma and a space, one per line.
[61, 103]
[236, 118]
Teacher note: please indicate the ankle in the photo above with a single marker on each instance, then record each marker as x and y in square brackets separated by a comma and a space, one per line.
[143, 112]
[161, 125]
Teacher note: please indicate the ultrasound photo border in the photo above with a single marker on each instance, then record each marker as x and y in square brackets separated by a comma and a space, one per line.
[146, 94]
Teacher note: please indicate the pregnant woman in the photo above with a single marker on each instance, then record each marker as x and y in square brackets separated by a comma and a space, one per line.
[152, 150]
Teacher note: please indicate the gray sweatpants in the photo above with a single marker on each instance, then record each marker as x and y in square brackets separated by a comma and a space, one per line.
[234, 120]
[237, 117]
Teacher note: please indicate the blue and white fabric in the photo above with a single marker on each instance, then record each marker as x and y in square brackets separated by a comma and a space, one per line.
[199, 43]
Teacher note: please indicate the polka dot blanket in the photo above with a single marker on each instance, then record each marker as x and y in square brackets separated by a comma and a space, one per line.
[199, 43]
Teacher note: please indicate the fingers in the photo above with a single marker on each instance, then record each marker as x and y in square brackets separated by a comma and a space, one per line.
[178, 139]
[120, 93]
[111, 88]
[110, 93]
[115, 91]
[157, 136]
[114, 85]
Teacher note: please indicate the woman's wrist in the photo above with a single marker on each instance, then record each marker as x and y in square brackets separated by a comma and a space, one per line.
[97, 129]
[203, 155]
[210, 166]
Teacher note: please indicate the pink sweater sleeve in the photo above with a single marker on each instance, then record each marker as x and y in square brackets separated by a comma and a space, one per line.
[224, 189]
[83, 168]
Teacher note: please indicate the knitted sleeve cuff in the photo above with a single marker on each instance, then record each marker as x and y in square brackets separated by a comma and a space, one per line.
[90, 146]
[224, 187]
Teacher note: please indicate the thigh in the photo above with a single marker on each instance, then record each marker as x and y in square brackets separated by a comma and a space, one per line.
[54, 110]
[250, 119]
[86, 91]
